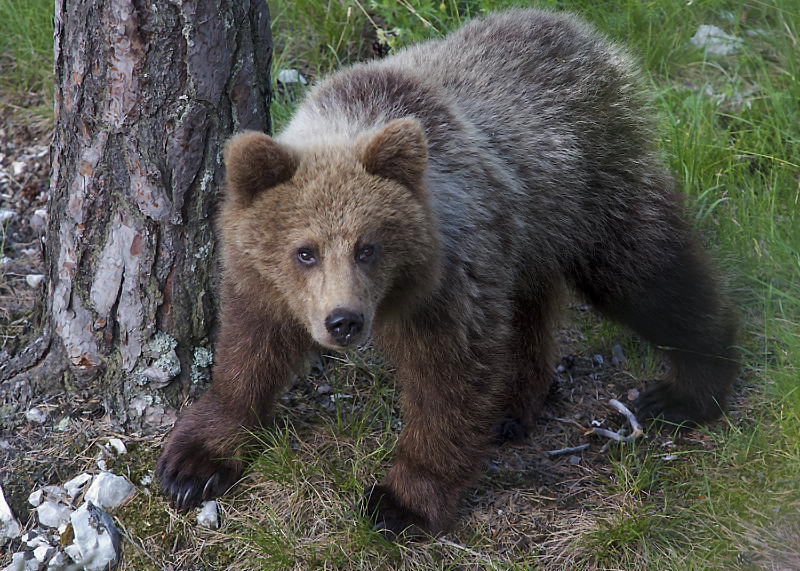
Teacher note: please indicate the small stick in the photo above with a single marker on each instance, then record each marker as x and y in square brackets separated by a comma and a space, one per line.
[453, 544]
[612, 435]
[562, 451]
[637, 428]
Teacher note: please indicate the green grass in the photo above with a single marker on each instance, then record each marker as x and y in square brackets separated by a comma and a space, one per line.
[26, 48]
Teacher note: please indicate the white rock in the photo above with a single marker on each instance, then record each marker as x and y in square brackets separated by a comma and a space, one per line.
[19, 561]
[291, 76]
[55, 493]
[18, 168]
[109, 490]
[74, 552]
[715, 41]
[34, 280]
[52, 514]
[96, 538]
[6, 214]
[35, 498]
[43, 553]
[9, 526]
[35, 539]
[35, 414]
[117, 445]
[57, 561]
[76, 484]
[63, 424]
[208, 515]
[39, 220]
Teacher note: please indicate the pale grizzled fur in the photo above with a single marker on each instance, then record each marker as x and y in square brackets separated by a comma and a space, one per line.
[488, 169]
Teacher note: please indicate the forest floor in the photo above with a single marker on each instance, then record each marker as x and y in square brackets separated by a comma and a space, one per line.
[726, 496]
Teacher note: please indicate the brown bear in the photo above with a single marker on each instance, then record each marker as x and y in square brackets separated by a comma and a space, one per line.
[438, 202]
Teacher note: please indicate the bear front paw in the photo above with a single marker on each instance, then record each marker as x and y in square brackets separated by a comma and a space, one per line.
[390, 518]
[191, 473]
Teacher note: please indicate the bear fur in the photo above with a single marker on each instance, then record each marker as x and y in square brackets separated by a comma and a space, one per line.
[439, 201]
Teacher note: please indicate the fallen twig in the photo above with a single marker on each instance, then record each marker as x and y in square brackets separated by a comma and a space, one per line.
[637, 428]
[562, 451]
[611, 434]
[454, 545]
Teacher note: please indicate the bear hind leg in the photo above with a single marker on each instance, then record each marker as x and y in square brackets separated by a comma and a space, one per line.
[677, 304]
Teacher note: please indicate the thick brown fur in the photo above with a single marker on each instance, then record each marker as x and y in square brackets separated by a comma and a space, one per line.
[439, 201]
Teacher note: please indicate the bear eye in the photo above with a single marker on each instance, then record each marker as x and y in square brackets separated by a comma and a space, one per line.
[306, 256]
[365, 254]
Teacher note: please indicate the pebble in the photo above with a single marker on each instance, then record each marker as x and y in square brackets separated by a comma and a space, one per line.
[52, 514]
[63, 424]
[35, 498]
[291, 76]
[34, 280]
[118, 446]
[76, 484]
[18, 168]
[57, 561]
[43, 553]
[109, 490]
[715, 41]
[35, 414]
[39, 220]
[6, 214]
[618, 358]
[22, 561]
[208, 515]
[9, 526]
[97, 541]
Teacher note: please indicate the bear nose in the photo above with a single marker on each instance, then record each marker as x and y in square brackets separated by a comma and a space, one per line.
[344, 324]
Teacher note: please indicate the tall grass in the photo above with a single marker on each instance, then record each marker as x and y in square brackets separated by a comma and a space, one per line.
[26, 46]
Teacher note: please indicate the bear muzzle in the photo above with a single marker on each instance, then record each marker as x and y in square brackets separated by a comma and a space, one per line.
[344, 326]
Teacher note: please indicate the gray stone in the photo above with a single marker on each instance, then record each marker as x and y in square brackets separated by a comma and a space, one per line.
[52, 514]
[109, 490]
[208, 515]
[715, 41]
[35, 414]
[9, 526]
[76, 484]
[97, 541]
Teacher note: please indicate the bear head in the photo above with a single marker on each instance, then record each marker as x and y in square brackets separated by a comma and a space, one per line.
[335, 235]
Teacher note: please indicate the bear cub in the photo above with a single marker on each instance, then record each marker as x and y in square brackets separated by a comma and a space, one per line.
[438, 201]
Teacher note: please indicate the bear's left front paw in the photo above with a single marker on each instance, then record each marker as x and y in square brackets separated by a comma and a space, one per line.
[390, 518]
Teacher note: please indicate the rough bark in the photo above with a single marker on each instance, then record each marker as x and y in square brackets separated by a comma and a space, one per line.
[146, 95]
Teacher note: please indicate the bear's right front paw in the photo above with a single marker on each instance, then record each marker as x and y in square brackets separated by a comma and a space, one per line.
[391, 519]
[190, 473]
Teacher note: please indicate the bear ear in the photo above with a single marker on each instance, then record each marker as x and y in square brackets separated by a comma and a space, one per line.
[399, 152]
[255, 162]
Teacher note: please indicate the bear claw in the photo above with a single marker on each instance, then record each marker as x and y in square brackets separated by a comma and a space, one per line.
[389, 518]
[189, 483]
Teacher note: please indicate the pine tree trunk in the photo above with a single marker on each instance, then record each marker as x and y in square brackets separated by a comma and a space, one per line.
[146, 95]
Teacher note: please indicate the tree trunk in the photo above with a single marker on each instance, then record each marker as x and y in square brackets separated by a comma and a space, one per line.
[146, 96]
